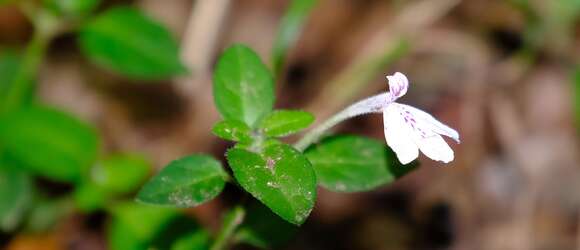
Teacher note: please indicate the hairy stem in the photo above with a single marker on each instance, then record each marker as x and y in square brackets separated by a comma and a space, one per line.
[315, 134]
[374, 104]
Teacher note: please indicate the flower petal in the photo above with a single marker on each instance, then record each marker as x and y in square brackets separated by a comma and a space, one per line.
[427, 120]
[398, 135]
[398, 84]
[424, 131]
[435, 148]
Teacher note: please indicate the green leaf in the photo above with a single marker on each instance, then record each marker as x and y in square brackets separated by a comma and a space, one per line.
[243, 86]
[186, 182]
[284, 122]
[10, 62]
[121, 173]
[289, 30]
[232, 130]
[281, 178]
[49, 142]
[353, 164]
[134, 225]
[126, 41]
[15, 196]
[263, 229]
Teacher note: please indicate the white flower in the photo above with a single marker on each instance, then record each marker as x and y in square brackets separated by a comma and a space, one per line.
[408, 129]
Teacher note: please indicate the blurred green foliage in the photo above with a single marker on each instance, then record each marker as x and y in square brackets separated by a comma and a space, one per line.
[135, 226]
[10, 62]
[46, 212]
[121, 173]
[264, 229]
[196, 240]
[125, 40]
[15, 195]
[42, 147]
[289, 30]
[230, 223]
[88, 197]
[49, 142]
[181, 232]
[71, 8]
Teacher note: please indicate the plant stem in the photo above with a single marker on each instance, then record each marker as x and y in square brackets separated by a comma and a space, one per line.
[23, 79]
[374, 104]
[45, 28]
[314, 135]
[232, 220]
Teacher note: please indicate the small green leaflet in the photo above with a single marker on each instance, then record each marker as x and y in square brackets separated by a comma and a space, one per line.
[186, 182]
[243, 86]
[285, 122]
[232, 130]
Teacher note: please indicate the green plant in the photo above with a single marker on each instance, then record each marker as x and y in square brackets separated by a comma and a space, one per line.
[282, 177]
[40, 142]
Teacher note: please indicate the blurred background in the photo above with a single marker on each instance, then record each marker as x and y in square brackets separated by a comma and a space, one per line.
[502, 72]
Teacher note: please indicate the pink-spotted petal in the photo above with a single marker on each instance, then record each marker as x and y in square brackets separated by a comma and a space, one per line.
[399, 135]
[423, 131]
[429, 122]
[398, 84]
